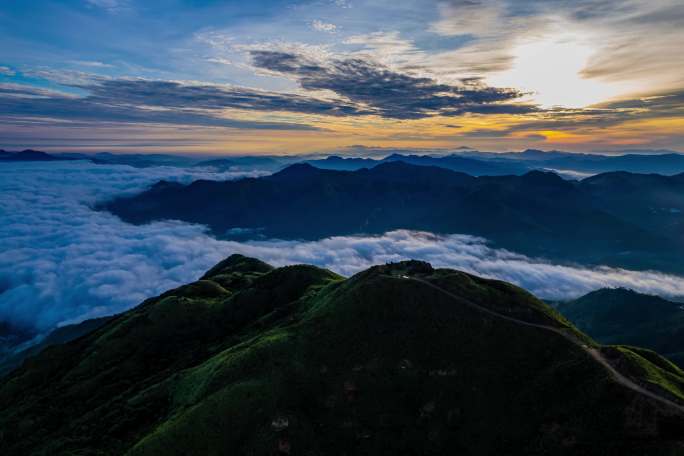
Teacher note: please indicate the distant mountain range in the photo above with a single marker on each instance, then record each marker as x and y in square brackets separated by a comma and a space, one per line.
[666, 164]
[467, 161]
[472, 166]
[499, 164]
[265, 163]
[102, 158]
[618, 219]
[621, 316]
[29, 155]
[398, 359]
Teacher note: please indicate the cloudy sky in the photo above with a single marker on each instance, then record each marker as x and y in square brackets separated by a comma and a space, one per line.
[275, 76]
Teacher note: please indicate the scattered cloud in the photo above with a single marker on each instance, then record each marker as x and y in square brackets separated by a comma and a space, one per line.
[65, 77]
[177, 95]
[416, 63]
[388, 48]
[109, 5]
[91, 64]
[7, 71]
[220, 61]
[361, 88]
[165, 102]
[321, 26]
[595, 118]
[633, 41]
[389, 93]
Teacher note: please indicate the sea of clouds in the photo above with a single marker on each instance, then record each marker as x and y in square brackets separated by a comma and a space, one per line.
[62, 262]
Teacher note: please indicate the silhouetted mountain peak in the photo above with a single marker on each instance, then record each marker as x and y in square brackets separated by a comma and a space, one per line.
[544, 177]
[617, 291]
[393, 157]
[394, 165]
[625, 316]
[298, 170]
[164, 185]
[623, 296]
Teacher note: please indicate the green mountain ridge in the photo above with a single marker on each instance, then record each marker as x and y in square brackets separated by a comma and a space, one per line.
[397, 359]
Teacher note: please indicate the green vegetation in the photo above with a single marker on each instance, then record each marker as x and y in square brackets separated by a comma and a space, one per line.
[398, 359]
[648, 368]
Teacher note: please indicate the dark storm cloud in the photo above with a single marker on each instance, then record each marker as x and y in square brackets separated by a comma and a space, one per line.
[389, 93]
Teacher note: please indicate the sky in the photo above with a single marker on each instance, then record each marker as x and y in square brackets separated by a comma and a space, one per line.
[295, 77]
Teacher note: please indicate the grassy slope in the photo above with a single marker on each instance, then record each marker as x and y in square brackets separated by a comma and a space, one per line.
[375, 364]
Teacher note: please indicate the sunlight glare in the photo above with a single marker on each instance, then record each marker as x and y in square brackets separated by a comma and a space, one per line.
[551, 69]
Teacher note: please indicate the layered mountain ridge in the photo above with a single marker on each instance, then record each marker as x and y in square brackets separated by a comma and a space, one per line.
[665, 162]
[497, 164]
[606, 219]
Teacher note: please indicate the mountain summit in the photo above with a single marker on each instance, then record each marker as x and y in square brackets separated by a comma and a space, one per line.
[398, 359]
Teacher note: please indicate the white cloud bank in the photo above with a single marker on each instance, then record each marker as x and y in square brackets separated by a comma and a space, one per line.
[62, 262]
[350, 254]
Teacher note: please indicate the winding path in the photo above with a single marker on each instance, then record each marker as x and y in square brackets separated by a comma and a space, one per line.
[593, 352]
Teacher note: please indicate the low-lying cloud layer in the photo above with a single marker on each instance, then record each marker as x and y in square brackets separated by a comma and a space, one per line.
[62, 262]
[349, 254]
